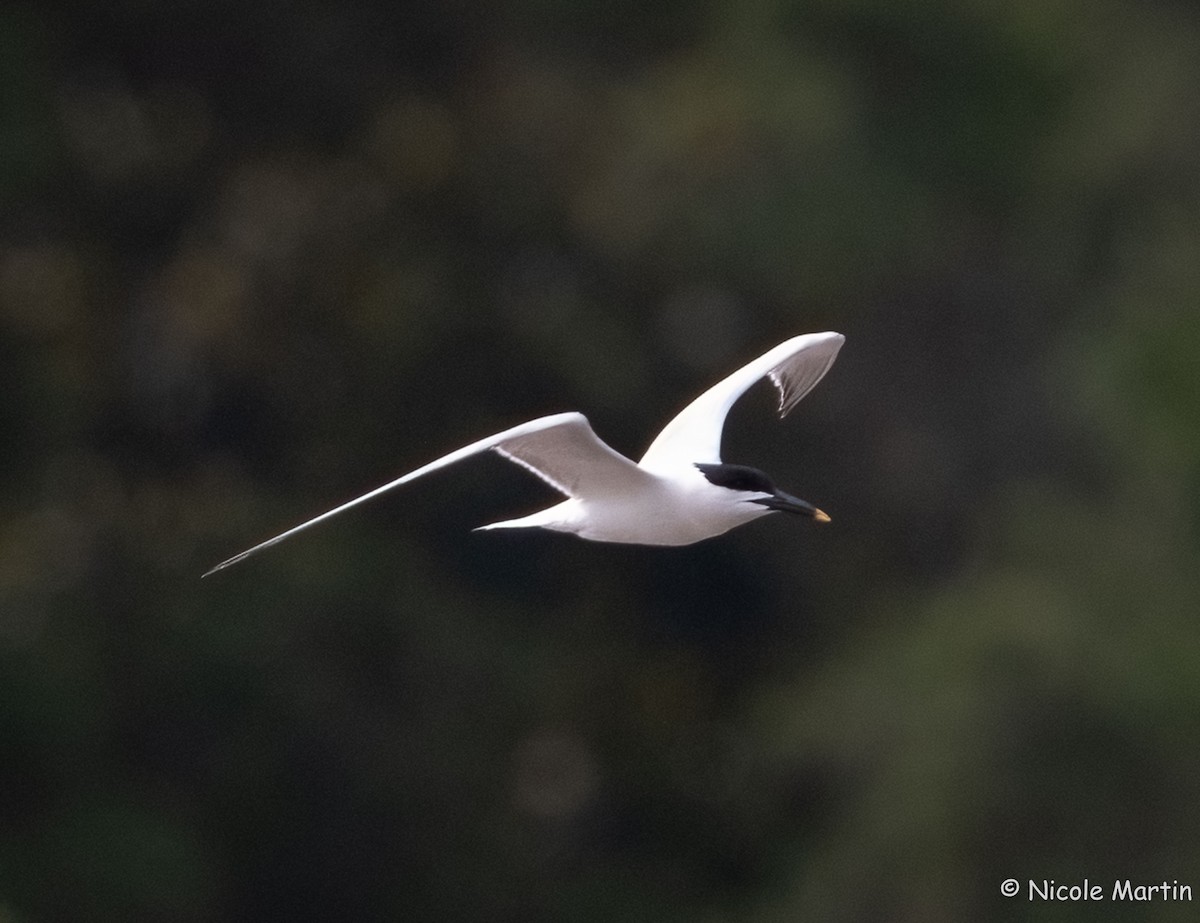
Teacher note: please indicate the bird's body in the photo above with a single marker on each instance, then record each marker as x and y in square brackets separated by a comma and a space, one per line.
[680, 491]
[652, 510]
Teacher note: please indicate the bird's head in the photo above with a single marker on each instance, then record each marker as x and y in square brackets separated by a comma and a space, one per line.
[750, 485]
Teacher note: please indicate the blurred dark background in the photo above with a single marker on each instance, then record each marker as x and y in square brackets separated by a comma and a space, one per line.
[258, 258]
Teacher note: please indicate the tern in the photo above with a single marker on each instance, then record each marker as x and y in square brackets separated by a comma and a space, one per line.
[680, 491]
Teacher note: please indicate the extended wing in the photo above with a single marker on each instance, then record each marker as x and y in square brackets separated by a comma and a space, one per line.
[561, 449]
[694, 435]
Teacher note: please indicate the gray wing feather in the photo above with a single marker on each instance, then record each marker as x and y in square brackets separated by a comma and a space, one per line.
[561, 449]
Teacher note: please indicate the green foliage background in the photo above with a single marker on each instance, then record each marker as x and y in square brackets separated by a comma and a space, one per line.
[256, 258]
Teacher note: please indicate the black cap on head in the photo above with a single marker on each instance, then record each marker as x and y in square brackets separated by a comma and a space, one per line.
[751, 480]
[737, 477]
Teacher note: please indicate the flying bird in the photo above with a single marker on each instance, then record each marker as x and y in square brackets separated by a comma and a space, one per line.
[678, 493]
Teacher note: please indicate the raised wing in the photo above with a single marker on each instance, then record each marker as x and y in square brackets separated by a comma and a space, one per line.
[561, 449]
[694, 435]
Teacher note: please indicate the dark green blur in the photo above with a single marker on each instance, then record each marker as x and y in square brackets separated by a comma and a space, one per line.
[256, 259]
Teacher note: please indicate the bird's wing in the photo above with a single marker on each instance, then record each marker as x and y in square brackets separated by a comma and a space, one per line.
[561, 449]
[567, 454]
[694, 435]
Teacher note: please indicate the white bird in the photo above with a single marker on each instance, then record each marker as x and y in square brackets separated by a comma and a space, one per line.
[679, 493]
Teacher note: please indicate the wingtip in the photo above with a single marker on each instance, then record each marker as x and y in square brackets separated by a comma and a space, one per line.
[226, 563]
[213, 570]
